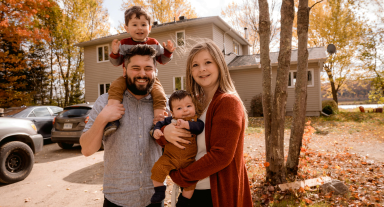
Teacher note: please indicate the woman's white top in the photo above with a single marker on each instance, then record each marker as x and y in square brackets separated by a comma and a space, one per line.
[201, 151]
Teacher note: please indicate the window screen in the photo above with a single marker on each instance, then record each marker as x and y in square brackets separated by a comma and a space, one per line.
[106, 53]
[180, 38]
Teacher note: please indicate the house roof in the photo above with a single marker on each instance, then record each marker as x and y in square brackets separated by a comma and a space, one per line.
[251, 61]
[177, 25]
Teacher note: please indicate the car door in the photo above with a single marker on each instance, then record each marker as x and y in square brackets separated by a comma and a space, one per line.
[42, 118]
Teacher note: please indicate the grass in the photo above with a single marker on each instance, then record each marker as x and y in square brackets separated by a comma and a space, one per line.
[344, 121]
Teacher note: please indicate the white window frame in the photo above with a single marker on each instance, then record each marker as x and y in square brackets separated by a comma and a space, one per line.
[182, 82]
[183, 31]
[97, 53]
[238, 47]
[98, 88]
[291, 79]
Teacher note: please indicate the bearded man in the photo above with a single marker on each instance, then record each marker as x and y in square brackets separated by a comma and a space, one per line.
[130, 152]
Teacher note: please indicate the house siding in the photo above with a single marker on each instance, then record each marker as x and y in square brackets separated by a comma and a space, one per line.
[176, 67]
[218, 39]
[97, 73]
[248, 83]
[105, 72]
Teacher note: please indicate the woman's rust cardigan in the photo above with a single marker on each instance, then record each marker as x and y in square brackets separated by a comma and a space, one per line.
[224, 161]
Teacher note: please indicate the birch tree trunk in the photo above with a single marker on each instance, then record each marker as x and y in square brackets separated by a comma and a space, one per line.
[300, 105]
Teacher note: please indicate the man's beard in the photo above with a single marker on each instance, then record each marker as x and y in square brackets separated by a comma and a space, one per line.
[140, 90]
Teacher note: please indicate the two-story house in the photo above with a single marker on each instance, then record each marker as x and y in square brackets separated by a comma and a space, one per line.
[244, 68]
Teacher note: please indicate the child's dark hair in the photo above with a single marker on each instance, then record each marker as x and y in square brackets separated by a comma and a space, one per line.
[178, 95]
[139, 11]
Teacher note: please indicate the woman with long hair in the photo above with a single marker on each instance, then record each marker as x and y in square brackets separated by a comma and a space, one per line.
[219, 172]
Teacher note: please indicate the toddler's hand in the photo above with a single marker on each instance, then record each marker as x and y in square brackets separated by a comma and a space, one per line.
[115, 46]
[169, 46]
[157, 134]
[182, 124]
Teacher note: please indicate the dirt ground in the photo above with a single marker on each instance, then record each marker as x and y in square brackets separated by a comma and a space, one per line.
[67, 178]
[372, 149]
[58, 178]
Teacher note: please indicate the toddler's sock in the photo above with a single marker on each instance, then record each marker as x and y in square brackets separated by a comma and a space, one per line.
[159, 194]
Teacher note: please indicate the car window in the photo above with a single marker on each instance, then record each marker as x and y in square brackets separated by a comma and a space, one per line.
[75, 112]
[40, 112]
[31, 114]
[56, 110]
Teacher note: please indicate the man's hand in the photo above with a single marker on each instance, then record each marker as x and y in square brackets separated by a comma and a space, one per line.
[157, 134]
[159, 116]
[115, 46]
[111, 113]
[174, 135]
[181, 124]
[169, 46]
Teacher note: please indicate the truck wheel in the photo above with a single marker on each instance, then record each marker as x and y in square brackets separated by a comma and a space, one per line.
[16, 162]
[65, 145]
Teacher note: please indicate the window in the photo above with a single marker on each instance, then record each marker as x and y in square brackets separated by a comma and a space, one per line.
[292, 78]
[102, 53]
[75, 112]
[180, 38]
[236, 47]
[40, 112]
[103, 88]
[56, 110]
[179, 83]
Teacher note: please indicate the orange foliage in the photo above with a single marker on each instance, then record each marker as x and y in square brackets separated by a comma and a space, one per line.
[19, 28]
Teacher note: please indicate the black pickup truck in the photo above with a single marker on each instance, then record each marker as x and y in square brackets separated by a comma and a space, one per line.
[19, 142]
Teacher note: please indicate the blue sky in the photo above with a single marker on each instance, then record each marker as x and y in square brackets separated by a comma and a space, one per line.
[202, 7]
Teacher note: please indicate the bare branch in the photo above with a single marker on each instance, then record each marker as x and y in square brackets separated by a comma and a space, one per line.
[315, 4]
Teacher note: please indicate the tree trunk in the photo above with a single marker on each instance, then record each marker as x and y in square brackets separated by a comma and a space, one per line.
[300, 105]
[334, 90]
[51, 91]
[276, 170]
[265, 33]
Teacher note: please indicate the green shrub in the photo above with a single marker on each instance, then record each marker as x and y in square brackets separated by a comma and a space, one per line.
[257, 106]
[332, 104]
[328, 110]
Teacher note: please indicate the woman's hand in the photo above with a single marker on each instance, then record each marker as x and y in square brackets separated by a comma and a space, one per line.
[174, 135]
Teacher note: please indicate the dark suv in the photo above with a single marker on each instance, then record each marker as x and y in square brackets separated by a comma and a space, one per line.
[69, 124]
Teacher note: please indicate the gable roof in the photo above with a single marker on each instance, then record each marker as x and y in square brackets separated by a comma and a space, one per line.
[177, 25]
[253, 61]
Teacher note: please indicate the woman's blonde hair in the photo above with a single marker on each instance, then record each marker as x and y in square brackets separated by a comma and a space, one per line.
[225, 82]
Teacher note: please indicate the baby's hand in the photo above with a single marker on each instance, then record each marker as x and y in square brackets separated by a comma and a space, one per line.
[115, 46]
[182, 124]
[169, 46]
[157, 134]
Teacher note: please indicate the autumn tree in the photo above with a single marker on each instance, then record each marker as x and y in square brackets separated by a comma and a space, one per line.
[336, 22]
[163, 10]
[80, 20]
[19, 28]
[372, 61]
[37, 77]
[243, 14]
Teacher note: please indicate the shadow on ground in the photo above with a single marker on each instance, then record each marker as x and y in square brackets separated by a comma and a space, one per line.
[90, 175]
[52, 152]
